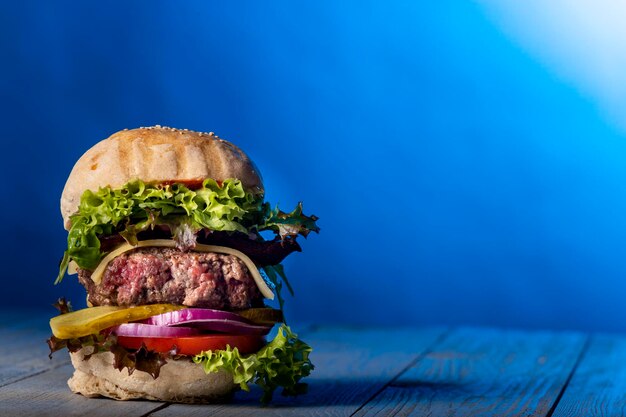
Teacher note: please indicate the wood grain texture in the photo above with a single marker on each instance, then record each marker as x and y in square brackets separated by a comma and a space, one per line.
[351, 367]
[598, 387]
[23, 351]
[484, 372]
[47, 394]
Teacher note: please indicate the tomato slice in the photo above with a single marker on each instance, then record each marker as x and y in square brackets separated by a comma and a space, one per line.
[192, 345]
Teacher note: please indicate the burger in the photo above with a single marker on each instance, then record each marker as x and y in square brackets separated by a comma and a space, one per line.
[180, 256]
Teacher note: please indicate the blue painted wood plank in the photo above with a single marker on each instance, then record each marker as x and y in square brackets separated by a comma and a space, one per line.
[33, 385]
[47, 395]
[23, 351]
[484, 372]
[598, 387]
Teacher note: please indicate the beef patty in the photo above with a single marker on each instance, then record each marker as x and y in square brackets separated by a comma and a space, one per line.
[168, 275]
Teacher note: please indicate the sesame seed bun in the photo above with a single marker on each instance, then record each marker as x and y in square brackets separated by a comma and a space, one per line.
[156, 154]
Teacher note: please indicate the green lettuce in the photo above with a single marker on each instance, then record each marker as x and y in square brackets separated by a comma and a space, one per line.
[276, 276]
[136, 207]
[288, 224]
[281, 363]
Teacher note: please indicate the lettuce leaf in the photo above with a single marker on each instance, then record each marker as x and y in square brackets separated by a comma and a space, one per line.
[137, 207]
[281, 363]
[139, 360]
[288, 224]
[275, 276]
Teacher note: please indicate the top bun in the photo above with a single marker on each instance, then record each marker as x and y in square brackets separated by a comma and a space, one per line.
[156, 154]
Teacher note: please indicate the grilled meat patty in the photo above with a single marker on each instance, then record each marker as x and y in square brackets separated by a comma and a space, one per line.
[168, 275]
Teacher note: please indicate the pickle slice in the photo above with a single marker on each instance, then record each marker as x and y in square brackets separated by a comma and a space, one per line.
[262, 315]
[94, 319]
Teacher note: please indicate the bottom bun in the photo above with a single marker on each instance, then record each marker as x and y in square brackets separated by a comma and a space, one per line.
[179, 381]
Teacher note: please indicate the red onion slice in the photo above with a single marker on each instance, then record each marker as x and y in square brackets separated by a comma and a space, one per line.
[229, 326]
[189, 315]
[207, 319]
[149, 330]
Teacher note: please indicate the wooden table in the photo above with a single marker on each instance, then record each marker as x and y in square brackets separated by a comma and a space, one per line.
[366, 372]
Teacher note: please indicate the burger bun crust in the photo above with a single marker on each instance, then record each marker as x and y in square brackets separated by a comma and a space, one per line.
[179, 381]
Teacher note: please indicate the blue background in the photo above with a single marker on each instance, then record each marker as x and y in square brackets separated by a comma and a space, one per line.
[459, 177]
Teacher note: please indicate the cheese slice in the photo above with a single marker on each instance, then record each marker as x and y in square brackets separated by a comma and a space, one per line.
[96, 276]
[72, 268]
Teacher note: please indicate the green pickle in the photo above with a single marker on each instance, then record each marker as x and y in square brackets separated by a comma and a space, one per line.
[262, 315]
[92, 320]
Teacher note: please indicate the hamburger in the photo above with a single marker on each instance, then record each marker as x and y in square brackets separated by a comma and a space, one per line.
[180, 256]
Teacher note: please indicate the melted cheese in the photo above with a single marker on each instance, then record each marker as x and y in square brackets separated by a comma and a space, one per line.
[72, 268]
[96, 277]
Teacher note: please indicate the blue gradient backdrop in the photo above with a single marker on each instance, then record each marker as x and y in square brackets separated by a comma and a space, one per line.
[459, 178]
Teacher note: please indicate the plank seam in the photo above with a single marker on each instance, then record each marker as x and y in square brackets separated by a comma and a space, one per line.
[159, 408]
[579, 359]
[21, 378]
[445, 333]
